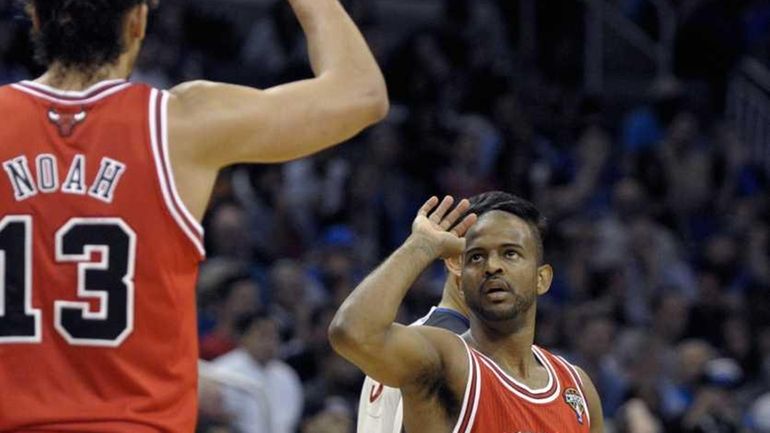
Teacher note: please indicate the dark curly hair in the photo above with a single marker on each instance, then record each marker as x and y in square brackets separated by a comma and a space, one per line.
[79, 34]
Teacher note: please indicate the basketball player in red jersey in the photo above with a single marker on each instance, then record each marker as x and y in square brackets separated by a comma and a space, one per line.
[493, 379]
[102, 188]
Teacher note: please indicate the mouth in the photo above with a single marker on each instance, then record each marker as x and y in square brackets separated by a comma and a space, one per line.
[495, 287]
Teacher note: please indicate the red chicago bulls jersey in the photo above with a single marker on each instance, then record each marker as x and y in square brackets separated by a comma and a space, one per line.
[496, 402]
[98, 261]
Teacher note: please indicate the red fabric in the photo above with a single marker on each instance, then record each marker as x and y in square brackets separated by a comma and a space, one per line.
[216, 344]
[148, 382]
[501, 405]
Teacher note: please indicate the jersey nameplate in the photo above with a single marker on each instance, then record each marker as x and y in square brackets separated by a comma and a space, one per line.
[47, 180]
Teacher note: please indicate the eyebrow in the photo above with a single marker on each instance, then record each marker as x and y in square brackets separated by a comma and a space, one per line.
[505, 245]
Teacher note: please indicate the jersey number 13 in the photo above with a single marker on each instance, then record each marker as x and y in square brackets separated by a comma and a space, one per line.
[109, 279]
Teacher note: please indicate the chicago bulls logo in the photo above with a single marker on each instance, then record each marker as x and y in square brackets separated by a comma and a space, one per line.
[575, 401]
[66, 122]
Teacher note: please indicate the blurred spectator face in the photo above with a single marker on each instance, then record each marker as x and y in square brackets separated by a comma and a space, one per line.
[692, 355]
[671, 317]
[737, 337]
[229, 232]
[242, 299]
[261, 339]
[683, 129]
[596, 338]
[709, 289]
[628, 198]
[334, 418]
[288, 283]
[721, 256]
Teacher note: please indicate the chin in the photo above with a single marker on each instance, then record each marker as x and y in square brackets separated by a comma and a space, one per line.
[503, 312]
[499, 314]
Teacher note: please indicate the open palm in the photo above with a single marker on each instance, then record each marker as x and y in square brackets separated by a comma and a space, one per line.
[438, 227]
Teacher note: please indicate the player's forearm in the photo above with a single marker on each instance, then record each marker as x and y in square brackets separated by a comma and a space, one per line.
[337, 50]
[370, 310]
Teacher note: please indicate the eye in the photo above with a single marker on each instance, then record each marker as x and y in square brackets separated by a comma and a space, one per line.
[475, 258]
[511, 254]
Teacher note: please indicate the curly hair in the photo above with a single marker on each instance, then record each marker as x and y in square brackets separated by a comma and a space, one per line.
[79, 34]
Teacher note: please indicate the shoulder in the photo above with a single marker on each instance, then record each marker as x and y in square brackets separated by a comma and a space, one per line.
[202, 93]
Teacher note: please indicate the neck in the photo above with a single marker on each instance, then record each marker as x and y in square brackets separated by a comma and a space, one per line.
[64, 78]
[451, 299]
[508, 343]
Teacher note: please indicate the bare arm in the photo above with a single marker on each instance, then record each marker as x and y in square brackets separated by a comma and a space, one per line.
[216, 124]
[363, 330]
[594, 403]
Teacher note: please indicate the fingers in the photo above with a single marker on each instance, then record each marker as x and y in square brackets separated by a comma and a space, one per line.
[464, 225]
[440, 211]
[456, 213]
[428, 206]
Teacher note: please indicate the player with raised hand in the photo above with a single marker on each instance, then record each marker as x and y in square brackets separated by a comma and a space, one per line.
[492, 378]
[103, 186]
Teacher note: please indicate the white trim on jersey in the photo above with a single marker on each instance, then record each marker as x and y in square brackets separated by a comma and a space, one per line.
[29, 88]
[72, 93]
[161, 162]
[504, 377]
[167, 160]
[474, 369]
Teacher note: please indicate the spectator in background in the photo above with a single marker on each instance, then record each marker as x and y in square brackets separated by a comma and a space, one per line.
[234, 297]
[714, 407]
[275, 406]
[334, 417]
[691, 358]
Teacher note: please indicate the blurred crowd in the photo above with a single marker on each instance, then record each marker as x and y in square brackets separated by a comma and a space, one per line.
[660, 233]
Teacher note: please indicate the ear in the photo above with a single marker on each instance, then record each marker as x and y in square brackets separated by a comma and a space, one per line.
[454, 265]
[544, 279]
[137, 21]
[30, 9]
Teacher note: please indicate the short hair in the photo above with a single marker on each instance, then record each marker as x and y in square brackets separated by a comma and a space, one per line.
[79, 34]
[515, 205]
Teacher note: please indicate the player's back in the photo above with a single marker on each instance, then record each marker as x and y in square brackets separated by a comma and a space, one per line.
[98, 260]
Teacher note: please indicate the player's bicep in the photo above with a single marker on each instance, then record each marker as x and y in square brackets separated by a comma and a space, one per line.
[594, 403]
[397, 356]
[232, 123]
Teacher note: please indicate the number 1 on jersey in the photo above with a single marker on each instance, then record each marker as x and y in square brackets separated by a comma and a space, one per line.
[108, 279]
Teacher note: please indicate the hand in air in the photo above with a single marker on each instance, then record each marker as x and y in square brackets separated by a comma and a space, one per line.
[433, 224]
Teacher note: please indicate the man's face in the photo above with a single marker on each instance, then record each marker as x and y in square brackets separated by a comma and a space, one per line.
[261, 340]
[500, 274]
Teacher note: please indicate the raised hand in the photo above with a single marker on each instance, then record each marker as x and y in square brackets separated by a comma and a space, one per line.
[436, 228]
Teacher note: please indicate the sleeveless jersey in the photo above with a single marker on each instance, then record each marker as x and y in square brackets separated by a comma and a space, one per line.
[496, 402]
[98, 261]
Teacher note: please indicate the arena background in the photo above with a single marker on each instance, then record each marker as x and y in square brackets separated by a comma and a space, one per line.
[640, 127]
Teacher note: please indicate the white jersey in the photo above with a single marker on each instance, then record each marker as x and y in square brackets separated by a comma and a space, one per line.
[380, 407]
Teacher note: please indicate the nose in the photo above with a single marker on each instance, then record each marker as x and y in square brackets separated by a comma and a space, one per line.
[493, 265]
